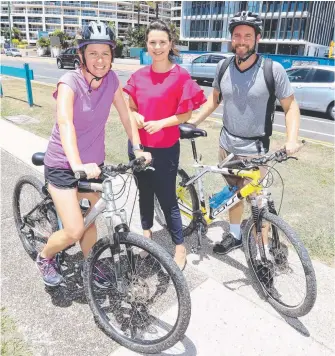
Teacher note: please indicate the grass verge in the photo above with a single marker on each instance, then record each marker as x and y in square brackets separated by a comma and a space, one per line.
[308, 203]
[12, 343]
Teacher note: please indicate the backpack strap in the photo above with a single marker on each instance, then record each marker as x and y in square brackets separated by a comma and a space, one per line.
[222, 71]
[270, 83]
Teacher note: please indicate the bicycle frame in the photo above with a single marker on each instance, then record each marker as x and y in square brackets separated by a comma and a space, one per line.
[253, 187]
[116, 220]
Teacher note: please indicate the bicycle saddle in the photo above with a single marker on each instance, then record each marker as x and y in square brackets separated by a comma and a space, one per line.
[38, 158]
[190, 131]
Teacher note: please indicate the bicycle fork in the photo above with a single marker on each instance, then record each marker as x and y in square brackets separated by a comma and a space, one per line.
[116, 221]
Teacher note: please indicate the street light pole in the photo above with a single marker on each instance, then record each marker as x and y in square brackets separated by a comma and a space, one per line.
[10, 25]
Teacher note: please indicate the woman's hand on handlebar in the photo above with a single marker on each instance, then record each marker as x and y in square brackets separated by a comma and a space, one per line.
[92, 170]
[146, 155]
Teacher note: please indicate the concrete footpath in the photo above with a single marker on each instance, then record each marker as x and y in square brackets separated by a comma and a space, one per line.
[228, 315]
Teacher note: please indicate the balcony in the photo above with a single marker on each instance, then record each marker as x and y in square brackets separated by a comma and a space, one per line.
[35, 28]
[70, 21]
[53, 20]
[93, 5]
[52, 28]
[124, 8]
[107, 6]
[71, 12]
[53, 11]
[71, 3]
[88, 13]
[107, 14]
[16, 20]
[5, 19]
[120, 16]
[35, 11]
[18, 11]
[52, 3]
[35, 19]
[34, 3]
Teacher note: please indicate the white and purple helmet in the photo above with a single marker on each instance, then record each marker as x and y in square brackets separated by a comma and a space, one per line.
[97, 32]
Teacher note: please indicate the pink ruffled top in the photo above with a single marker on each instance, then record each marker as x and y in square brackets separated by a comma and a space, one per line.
[162, 95]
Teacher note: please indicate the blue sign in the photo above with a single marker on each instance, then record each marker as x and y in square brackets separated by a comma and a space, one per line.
[43, 34]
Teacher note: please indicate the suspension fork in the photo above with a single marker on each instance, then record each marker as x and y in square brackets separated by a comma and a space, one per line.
[257, 215]
[272, 210]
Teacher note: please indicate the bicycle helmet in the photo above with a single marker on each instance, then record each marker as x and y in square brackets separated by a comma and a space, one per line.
[250, 19]
[246, 18]
[97, 32]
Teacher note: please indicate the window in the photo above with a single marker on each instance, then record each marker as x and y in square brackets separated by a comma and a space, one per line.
[215, 59]
[201, 59]
[323, 76]
[298, 75]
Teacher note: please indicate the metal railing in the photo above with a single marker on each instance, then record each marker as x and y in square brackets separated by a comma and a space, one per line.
[71, 21]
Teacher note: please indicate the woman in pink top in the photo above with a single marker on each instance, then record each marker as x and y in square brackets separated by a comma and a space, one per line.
[84, 98]
[161, 97]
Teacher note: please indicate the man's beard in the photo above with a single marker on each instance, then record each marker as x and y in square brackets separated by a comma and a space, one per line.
[248, 53]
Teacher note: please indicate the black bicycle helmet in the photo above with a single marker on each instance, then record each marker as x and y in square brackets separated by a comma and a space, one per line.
[97, 32]
[246, 18]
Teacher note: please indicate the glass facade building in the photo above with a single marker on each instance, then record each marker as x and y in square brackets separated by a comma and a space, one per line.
[289, 27]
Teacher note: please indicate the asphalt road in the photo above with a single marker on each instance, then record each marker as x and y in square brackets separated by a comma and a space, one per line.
[314, 125]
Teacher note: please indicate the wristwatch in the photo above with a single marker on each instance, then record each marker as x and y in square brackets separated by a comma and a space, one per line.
[138, 147]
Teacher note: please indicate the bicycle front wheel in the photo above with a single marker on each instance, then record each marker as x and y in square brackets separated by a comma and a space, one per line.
[34, 214]
[188, 202]
[144, 304]
[287, 278]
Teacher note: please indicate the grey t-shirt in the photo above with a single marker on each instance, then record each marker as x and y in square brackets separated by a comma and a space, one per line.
[245, 96]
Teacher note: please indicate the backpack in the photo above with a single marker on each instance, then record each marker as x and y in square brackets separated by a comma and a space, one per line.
[270, 83]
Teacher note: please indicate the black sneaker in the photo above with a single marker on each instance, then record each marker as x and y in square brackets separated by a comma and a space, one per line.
[228, 243]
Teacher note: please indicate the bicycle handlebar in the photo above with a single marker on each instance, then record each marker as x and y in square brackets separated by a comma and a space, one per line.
[278, 156]
[137, 164]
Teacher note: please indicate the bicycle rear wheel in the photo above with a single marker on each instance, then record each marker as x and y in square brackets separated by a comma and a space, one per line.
[148, 308]
[187, 199]
[34, 214]
[287, 278]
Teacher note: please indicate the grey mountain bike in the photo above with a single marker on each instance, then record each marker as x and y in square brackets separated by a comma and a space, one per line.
[145, 303]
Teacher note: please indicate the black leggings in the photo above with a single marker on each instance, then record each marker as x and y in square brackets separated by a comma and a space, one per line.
[162, 183]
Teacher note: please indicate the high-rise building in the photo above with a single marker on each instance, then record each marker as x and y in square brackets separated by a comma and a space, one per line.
[289, 27]
[32, 17]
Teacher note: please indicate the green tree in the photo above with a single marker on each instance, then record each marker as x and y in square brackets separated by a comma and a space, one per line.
[175, 33]
[136, 36]
[43, 42]
[112, 25]
[16, 33]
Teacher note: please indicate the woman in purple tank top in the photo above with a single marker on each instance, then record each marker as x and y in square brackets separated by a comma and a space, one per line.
[84, 98]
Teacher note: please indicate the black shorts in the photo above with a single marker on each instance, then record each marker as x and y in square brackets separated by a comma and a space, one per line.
[64, 178]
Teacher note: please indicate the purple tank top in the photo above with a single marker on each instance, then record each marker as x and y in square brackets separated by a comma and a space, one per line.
[90, 113]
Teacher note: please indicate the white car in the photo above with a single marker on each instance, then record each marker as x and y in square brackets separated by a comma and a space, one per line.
[314, 87]
[203, 67]
[13, 52]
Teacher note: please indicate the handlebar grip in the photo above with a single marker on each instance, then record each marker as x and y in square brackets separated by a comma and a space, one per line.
[80, 175]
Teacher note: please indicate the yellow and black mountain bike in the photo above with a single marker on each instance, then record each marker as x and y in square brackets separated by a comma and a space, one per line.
[284, 272]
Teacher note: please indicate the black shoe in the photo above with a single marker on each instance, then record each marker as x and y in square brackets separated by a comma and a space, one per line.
[228, 243]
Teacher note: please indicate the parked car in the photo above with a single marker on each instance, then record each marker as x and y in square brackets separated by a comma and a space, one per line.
[13, 52]
[68, 58]
[203, 67]
[314, 88]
